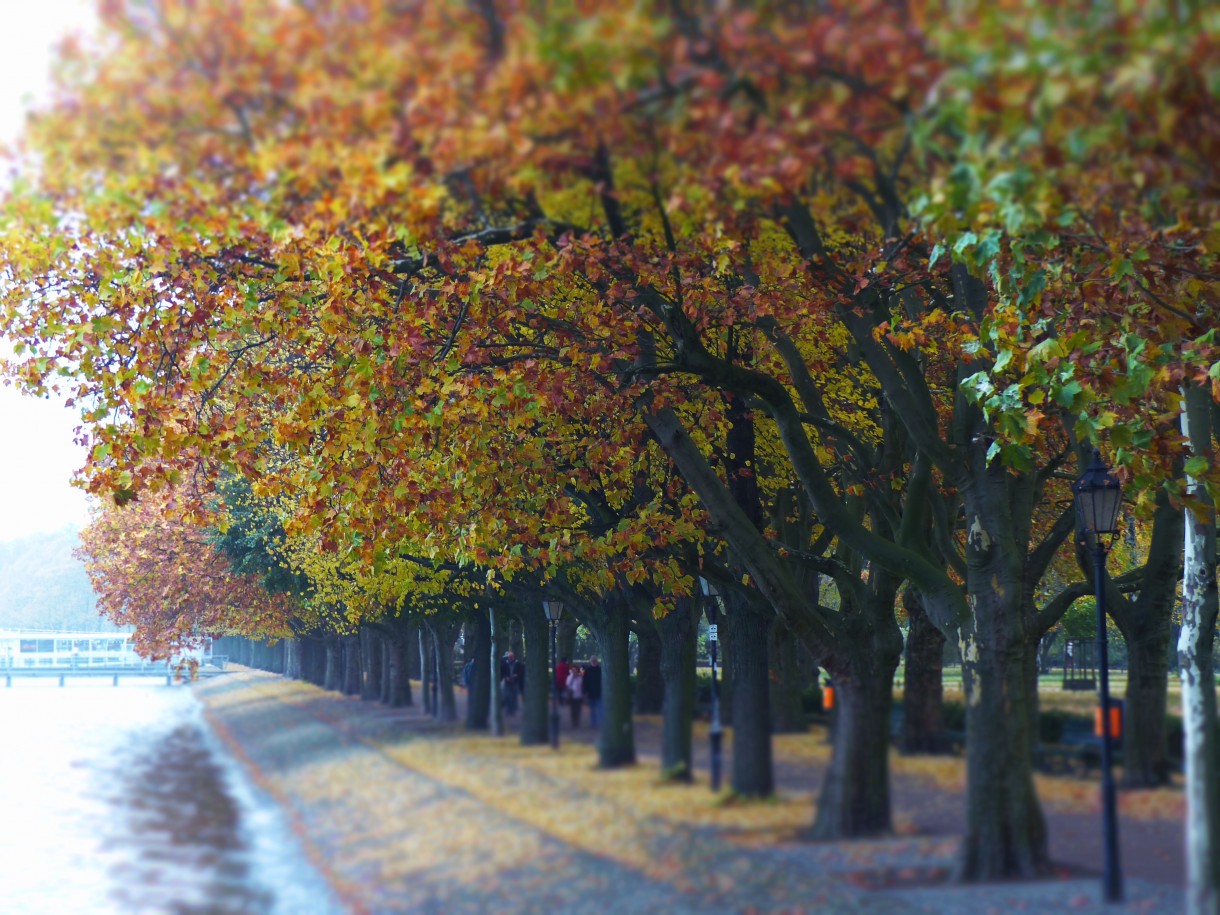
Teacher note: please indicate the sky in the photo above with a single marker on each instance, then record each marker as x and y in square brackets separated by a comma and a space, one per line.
[37, 454]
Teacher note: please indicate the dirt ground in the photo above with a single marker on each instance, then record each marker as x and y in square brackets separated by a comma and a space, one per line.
[403, 814]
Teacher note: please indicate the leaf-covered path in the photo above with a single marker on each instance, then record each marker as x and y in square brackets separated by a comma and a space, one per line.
[403, 815]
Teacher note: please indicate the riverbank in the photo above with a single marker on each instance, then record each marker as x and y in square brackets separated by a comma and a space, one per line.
[402, 814]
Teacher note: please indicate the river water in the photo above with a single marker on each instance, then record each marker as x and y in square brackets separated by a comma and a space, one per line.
[120, 800]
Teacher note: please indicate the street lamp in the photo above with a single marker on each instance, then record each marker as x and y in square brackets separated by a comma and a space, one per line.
[711, 603]
[554, 610]
[1098, 497]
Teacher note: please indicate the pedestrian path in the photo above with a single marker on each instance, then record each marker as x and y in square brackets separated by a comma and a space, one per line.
[402, 815]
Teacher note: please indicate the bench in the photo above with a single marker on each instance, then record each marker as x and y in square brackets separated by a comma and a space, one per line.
[1077, 753]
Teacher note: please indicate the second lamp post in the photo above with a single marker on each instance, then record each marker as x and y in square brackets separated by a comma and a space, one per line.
[554, 610]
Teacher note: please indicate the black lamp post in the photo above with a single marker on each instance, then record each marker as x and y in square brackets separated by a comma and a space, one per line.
[1098, 497]
[553, 610]
[711, 602]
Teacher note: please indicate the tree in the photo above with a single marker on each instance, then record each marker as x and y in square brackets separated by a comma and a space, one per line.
[153, 571]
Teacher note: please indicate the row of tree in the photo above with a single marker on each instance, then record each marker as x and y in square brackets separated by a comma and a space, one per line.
[462, 305]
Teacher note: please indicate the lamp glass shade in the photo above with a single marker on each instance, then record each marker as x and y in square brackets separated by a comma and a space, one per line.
[553, 609]
[709, 589]
[1098, 497]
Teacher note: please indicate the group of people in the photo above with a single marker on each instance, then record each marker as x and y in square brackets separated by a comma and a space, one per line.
[578, 685]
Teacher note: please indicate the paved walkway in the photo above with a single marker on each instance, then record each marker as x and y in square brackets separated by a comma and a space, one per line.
[402, 815]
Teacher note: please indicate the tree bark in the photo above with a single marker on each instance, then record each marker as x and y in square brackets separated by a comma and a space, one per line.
[855, 798]
[427, 668]
[370, 656]
[1195, 658]
[1005, 829]
[567, 637]
[385, 689]
[649, 681]
[412, 650]
[478, 690]
[923, 707]
[495, 621]
[535, 729]
[746, 630]
[1146, 622]
[516, 636]
[678, 629]
[1145, 735]
[400, 682]
[616, 741]
[445, 634]
[352, 667]
[292, 659]
[787, 681]
[334, 664]
[315, 660]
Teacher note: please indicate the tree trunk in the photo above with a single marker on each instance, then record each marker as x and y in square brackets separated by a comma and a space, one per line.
[385, 688]
[1005, 830]
[1145, 737]
[292, 659]
[855, 798]
[496, 624]
[315, 649]
[678, 629]
[370, 655]
[352, 667]
[923, 706]
[616, 741]
[746, 630]
[787, 680]
[535, 729]
[478, 690]
[566, 637]
[412, 650]
[445, 634]
[427, 668]
[516, 637]
[334, 664]
[1195, 646]
[400, 683]
[649, 682]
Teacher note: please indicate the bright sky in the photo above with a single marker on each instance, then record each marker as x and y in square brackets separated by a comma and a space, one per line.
[37, 455]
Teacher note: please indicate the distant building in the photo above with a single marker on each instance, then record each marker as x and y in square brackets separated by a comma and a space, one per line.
[50, 648]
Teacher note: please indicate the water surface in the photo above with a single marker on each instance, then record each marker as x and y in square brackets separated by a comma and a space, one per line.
[120, 800]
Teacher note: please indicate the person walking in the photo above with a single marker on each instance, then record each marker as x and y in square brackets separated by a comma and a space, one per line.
[576, 695]
[508, 685]
[592, 688]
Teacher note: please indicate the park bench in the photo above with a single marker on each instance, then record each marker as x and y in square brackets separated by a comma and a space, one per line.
[1078, 752]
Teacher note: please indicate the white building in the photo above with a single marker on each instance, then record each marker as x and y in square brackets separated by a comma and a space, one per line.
[21, 648]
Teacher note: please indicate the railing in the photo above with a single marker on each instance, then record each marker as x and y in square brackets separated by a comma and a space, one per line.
[114, 672]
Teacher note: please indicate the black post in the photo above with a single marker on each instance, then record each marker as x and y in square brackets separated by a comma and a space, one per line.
[1112, 877]
[554, 687]
[715, 735]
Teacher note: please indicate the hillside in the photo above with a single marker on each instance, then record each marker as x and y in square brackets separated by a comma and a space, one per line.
[42, 586]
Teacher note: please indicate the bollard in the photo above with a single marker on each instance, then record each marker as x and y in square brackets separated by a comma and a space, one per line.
[61, 679]
[169, 680]
[8, 680]
[116, 679]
